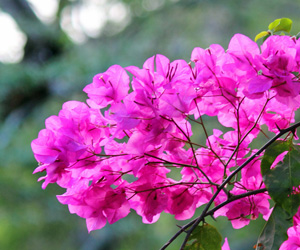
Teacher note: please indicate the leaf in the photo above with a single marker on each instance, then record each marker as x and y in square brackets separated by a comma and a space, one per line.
[204, 237]
[261, 35]
[275, 230]
[274, 24]
[282, 180]
[285, 24]
[282, 24]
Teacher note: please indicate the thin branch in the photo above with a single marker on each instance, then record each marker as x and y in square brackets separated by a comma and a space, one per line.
[171, 185]
[205, 212]
[170, 162]
[234, 198]
[201, 217]
[206, 135]
[211, 212]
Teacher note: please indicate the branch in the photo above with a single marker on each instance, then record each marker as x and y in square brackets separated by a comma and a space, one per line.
[205, 212]
[234, 198]
[211, 212]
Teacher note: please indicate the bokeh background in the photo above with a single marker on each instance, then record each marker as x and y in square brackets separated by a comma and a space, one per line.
[49, 50]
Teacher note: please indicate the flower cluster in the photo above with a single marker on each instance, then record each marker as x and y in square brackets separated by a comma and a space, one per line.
[132, 145]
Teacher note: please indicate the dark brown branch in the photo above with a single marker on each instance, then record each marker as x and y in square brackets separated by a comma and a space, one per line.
[211, 212]
[193, 224]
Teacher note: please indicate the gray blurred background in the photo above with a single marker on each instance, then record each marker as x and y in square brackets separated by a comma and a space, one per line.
[49, 50]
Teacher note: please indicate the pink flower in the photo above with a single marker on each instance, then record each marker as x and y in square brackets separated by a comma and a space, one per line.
[241, 211]
[43, 147]
[275, 67]
[181, 203]
[134, 147]
[146, 195]
[98, 204]
[108, 87]
[243, 49]
[293, 241]
[69, 139]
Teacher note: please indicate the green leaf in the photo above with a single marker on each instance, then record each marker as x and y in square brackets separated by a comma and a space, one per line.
[274, 24]
[282, 24]
[261, 35]
[274, 232]
[205, 237]
[285, 24]
[282, 180]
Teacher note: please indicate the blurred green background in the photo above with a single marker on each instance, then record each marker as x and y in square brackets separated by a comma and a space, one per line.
[61, 45]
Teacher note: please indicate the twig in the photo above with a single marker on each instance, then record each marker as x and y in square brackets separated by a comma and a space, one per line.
[205, 212]
[211, 212]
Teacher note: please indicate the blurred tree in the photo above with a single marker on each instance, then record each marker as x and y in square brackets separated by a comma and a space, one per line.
[56, 67]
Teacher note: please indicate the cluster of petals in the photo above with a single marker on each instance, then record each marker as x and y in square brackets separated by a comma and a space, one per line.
[130, 147]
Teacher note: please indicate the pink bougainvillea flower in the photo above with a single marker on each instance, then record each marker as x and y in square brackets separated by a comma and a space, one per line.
[181, 203]
[109, 87]
[43, 147]
[97, 204]
[241, 211]
[147, 197]
[293, 242]
[143, 143]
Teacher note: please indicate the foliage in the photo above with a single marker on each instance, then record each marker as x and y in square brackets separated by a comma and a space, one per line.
[282, 180]
[279, 25]
[275, 230]
[204, 237]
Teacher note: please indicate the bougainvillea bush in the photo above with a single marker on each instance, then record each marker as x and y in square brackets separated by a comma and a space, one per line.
[116, 153]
